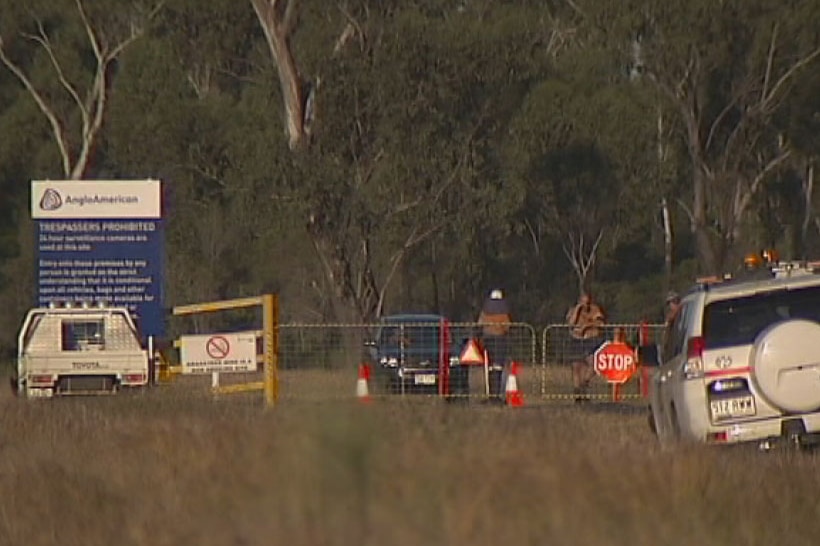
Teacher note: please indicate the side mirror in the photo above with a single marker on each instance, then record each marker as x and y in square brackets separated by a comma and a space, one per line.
[648, 355]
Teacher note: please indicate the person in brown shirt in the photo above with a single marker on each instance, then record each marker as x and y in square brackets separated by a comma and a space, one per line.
[586, 320]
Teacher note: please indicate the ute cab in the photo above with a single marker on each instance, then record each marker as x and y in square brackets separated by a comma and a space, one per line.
[79, 350]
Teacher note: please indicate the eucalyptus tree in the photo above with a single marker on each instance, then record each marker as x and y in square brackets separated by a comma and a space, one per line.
[728, 68]
[581, 150]
[186, 112]
[403, 98]
[65, 55]
[794, 201]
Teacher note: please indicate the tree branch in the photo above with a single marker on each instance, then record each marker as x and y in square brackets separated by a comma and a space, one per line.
[51, 116]
[717, 121]
[754, 187]
[686, 211]
[766, 103]
[767, 76]
[352, 28]
[89, 30]
[42, 39]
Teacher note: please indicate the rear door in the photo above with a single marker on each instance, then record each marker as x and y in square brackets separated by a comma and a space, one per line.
[669, 375]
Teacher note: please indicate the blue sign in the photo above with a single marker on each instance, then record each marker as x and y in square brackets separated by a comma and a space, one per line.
[108, 259]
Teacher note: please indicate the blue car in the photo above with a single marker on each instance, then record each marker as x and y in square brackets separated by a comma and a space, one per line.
[411, 353]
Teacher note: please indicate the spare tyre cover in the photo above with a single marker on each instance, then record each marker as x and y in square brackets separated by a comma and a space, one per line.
[786, 365]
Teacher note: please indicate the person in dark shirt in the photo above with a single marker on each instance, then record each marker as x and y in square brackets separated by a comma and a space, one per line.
[494, 321]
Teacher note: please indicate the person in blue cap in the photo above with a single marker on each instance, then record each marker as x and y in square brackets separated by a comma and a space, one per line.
[495, 321]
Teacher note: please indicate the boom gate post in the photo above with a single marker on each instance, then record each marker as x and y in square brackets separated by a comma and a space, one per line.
[270, 336]
[270, 323]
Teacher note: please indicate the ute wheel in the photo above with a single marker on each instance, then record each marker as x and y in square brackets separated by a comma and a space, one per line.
[13, 383]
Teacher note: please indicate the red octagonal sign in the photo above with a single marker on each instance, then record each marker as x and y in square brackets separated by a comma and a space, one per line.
[615, 361]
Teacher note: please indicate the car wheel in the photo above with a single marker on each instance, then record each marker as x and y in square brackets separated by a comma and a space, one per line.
[675, 425]
[650, 420]
[784, 365]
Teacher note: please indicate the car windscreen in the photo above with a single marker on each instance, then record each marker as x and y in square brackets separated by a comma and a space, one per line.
[409, 338]
[739, 321]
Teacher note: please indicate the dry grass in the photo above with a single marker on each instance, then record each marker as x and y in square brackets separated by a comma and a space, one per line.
[174, 467]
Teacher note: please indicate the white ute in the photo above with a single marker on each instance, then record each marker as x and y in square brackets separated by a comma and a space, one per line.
[79, 350]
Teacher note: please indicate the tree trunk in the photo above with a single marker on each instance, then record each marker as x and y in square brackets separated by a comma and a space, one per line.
[667, 243]
[704, 243]
[808, 190]
[277, 18]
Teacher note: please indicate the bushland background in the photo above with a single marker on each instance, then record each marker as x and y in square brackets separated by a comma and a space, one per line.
[362, 157]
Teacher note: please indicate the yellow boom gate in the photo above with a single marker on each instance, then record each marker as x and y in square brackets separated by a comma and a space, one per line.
[270, 341]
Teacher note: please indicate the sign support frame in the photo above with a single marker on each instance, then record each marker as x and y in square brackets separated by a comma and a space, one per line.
[270, 336]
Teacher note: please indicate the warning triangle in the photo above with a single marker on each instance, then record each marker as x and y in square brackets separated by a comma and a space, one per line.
[472, 353]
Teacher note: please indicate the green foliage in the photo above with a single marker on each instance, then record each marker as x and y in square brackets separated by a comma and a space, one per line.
[457, 146]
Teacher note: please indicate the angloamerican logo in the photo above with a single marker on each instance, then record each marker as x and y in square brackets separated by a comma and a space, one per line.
[51, 200]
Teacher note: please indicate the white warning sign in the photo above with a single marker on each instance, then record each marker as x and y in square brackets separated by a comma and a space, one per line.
[233, 352]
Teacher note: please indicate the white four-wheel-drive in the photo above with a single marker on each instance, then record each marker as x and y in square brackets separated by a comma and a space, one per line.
[741, 361]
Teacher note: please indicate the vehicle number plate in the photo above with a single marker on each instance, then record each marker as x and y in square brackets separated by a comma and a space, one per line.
[727, 408]
[425, 379]
[40, 393]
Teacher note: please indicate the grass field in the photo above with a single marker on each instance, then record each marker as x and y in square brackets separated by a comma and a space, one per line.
[173, 466]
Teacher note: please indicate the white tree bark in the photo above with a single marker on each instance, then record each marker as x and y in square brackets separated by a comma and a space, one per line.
[91, 102]
[278, 20]
[582, 254]
[729, 170]
[667, 241]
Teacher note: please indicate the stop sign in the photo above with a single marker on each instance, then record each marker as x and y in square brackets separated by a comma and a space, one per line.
[615, 361]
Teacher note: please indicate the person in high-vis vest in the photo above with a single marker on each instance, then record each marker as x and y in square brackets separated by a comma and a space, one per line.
[495, 321]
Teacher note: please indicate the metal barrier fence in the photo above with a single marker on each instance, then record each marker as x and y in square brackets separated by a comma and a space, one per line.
[560, 349]
[333, 346]
[320, 361]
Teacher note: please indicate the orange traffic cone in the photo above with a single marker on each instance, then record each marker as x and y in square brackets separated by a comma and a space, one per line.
[362, 392]
[515, 398]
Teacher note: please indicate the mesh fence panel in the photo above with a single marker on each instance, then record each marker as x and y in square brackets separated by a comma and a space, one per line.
[322, 361]
[560, 350]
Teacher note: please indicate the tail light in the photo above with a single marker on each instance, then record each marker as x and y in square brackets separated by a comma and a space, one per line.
[41, 379]
[130, 378]
[693, 367]
[717, 437]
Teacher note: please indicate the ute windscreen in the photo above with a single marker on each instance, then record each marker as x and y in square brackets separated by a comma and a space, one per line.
[739, 321]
